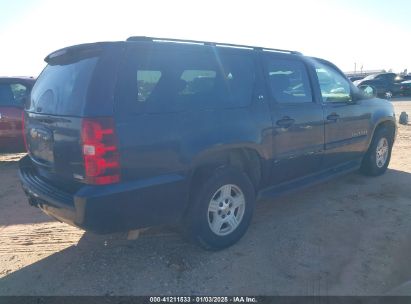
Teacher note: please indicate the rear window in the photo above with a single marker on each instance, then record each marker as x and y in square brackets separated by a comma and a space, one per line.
[61, 89]
[13, 94]
[177, 79]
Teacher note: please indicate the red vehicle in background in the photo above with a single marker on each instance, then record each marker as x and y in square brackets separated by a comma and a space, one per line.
[14, 92]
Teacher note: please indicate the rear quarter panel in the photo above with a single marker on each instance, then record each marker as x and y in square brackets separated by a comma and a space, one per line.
[155, 144]
[158, 146]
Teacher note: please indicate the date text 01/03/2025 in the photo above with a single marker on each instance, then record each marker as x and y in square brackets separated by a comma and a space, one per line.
[203, 299]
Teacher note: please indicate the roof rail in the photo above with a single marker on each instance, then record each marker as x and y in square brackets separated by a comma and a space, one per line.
[185, 41]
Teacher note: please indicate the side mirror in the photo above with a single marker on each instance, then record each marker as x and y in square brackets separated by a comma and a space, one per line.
[368, 91]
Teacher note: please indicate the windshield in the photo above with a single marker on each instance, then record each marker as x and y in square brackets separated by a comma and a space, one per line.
[62, 89]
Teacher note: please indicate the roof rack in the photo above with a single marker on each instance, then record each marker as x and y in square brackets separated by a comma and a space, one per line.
[185, 41]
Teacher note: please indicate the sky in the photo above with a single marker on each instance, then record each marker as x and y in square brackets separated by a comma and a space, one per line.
[372, 34]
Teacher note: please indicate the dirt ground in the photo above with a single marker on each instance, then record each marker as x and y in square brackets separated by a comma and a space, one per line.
[349, 236]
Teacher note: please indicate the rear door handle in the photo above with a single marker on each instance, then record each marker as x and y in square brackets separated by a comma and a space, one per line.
[285, 122]
[333, 117]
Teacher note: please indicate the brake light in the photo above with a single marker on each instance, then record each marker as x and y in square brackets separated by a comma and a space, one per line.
[100, 152]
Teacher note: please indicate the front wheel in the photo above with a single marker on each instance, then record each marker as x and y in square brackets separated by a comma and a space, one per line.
[378, 156]
[222, 209]
[388, 95]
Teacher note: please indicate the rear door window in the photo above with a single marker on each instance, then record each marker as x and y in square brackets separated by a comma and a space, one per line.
[170, 79]
[61, 89]
[288, 80]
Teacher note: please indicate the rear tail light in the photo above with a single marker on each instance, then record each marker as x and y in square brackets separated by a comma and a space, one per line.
[100, 152]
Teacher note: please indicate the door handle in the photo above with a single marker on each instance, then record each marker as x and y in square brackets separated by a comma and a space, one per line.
[285, 122]
[333, 117]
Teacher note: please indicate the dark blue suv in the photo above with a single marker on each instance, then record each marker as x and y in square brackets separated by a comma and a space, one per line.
[130, 134]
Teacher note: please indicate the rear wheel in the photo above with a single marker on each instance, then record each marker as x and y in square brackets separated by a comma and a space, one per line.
[222, 209]
[378, 156]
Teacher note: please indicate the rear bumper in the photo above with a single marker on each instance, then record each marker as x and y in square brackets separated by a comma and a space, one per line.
[111, 208]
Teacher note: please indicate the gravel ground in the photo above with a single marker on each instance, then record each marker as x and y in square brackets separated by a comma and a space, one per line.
[349, 236]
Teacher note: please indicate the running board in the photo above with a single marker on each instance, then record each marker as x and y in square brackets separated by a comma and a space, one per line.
[307, 181]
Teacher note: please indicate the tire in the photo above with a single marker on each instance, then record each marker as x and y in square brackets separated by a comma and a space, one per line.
[225, 203]
[376, 160]
[388, 95]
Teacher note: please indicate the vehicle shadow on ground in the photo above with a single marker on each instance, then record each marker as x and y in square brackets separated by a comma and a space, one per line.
[304, 243]
[14, 207]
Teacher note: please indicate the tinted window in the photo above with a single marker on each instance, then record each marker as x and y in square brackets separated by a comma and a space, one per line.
[288, 81]
[334, 87]
[62, 89]
[12, 94]
[146, 82]
[178, 78]
[238, 75]
[198, 81]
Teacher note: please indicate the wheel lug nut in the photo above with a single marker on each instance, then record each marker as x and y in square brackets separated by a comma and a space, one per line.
[221, 204]
[229, 212]
[223, 216]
